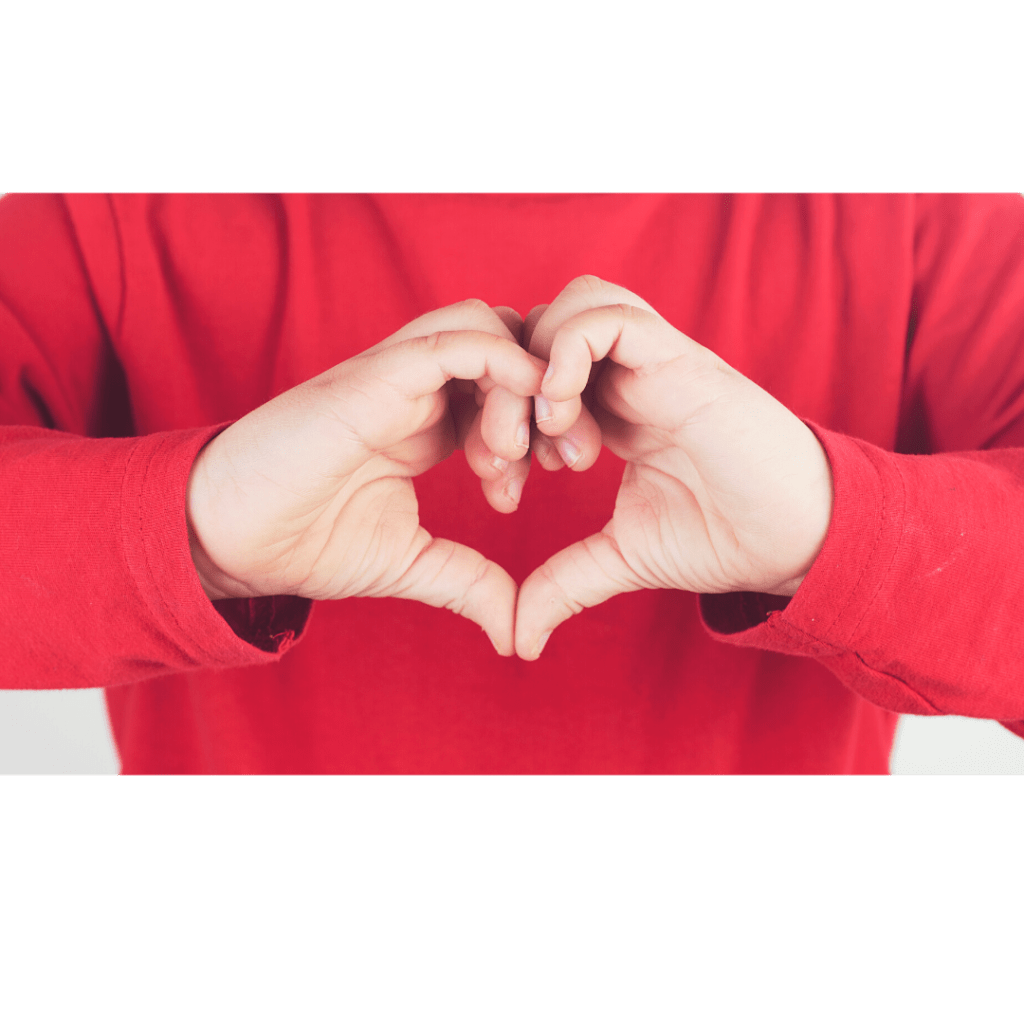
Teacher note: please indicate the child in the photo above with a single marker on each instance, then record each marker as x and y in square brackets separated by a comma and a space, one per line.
[199, 444]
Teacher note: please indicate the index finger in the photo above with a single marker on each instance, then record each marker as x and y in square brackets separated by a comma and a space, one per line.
[468, 315]
[418, 367]
[637, 339]
[580, 294]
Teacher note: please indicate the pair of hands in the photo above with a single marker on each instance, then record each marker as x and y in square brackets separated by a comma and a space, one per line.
[311, 494]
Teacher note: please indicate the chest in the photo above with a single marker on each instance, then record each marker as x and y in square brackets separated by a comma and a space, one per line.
[230, 300]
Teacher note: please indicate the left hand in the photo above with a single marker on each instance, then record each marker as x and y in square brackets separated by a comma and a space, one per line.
[312, 493]
[724, 488]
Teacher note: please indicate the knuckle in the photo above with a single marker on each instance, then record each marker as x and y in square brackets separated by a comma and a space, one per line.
[588, 283]
[477, 309]
[462, 601]
[558, 598]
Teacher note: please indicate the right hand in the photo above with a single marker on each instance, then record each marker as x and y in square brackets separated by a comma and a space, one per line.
[311, 494]
[724, 489]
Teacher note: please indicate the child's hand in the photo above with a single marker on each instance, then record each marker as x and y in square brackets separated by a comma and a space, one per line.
[495, 432]
[311, 494]
[724, 488]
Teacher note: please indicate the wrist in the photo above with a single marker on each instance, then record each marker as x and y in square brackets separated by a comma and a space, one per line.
[787, 589]
[815, 519]
[216, 584]
[205, 569]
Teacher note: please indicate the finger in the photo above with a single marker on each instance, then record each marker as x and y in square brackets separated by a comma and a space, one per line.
[464, 410]
[543, 448]
[418, 367]
[504, 494]
[582, 293]
[580, 576]
[502, 480]
[505, 424]
[469, 315]
[530, 323]
[512, 321]
[580, 445]
[450, 575]
[632, 337]
[553, 418]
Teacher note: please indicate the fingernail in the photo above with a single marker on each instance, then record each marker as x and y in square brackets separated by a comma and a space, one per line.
[523, 436]
[569, 450]
[540, 644]
[548, 374]
[543, 408]
[499, 464]
[513, 490]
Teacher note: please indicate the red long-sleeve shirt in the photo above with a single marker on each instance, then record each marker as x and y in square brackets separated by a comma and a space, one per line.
[131, 327]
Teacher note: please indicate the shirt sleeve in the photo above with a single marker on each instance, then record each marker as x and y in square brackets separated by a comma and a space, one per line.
[99, 586]
[916, 600]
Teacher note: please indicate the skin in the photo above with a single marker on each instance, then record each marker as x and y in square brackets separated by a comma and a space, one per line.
[724, 488]
[311, 494]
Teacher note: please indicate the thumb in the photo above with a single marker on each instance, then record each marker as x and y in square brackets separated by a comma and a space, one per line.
[446, 574]
[580, 576]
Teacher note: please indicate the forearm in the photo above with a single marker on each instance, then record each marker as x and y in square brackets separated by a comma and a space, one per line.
[914, 600]
[99, 585]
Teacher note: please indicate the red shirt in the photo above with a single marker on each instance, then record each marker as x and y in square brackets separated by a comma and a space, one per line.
[131, 327]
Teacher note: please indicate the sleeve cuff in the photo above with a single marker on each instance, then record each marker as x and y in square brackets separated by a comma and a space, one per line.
[822, 619]
[228, 633]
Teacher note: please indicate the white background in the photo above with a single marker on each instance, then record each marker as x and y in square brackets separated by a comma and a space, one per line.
[67, 732]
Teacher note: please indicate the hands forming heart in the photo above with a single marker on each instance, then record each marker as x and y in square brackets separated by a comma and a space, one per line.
[311, 494]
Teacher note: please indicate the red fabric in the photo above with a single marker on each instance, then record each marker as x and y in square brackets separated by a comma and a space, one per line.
[133, 328]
